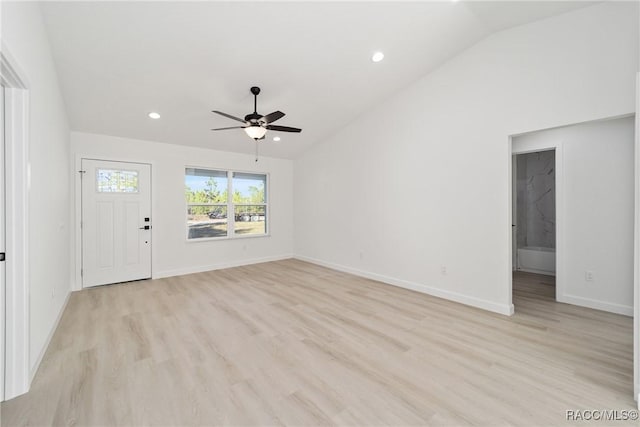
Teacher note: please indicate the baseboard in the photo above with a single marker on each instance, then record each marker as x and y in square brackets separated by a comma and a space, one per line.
[218, 266]
[506, 309]
[34, 368]
[626, 310]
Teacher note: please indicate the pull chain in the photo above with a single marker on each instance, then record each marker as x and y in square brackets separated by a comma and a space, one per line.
[256, 150]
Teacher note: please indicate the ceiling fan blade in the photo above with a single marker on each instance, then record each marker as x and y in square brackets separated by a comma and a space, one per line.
[272, 117]
[283, 128]
[228, 116]
[232, 127]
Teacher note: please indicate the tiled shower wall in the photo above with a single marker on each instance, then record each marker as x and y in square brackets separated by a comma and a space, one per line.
[536, 200]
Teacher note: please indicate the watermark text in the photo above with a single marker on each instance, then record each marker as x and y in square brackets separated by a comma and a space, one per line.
[602, 414]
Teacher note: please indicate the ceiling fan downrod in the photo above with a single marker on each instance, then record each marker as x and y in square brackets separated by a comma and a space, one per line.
[255, 90]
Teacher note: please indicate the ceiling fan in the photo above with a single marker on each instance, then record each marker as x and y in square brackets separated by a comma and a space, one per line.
[256, 125]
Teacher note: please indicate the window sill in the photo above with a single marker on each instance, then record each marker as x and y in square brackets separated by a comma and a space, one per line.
[219, 239]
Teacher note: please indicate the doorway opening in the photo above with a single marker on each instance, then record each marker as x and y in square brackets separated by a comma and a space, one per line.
[594, 212]
[534, 224]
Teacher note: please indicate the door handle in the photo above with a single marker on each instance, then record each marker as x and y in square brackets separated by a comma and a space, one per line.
[146, 227]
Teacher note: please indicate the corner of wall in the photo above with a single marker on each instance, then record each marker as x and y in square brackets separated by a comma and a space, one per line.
[33, 369]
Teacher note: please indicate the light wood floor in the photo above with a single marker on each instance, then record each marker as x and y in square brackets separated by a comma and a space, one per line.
[293, 343]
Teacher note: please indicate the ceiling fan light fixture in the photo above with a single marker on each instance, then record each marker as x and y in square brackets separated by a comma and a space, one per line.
[255, 131]
[257, 125]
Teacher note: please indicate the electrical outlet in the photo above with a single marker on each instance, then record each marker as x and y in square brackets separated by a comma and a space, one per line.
[443, 270]
[361, 255]
[588, 276]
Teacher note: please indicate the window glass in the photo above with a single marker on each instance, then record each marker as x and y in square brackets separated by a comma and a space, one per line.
[206, 186]
[249, 200]
[210, 205]
[206, 221]
[117, 181]
[206, 192]
[250, 219]
[249, 188]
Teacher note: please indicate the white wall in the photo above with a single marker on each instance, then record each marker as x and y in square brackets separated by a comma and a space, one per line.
[422, 181]
[597, 167]
[172, 254]
[24, 35]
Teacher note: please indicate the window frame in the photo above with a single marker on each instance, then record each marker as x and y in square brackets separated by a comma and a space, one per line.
[231, 235]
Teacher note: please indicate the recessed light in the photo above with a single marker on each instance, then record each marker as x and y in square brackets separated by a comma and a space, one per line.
[377, 57]
[154, 115]
[276, 138]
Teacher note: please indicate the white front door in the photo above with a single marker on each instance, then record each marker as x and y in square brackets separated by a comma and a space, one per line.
[116, 222]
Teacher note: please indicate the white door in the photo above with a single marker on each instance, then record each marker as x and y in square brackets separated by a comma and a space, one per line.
[2, 245]
[116, 222]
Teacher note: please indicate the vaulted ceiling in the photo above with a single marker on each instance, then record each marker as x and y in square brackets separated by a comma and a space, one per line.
[118, 61]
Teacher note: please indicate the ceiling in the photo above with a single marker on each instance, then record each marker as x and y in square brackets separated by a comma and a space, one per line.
[118, 61]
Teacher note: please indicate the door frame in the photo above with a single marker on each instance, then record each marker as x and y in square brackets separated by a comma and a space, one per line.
[77, 262]
[514, 217]
[15, 312]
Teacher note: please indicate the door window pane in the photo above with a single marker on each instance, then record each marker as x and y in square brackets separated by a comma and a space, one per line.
[117, 181]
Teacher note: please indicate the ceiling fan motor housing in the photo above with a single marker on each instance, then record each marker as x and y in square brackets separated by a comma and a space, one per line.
[253, 117]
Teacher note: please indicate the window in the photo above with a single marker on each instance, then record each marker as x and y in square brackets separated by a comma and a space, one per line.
[213, 197]
[116, 181]
[249, 203]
